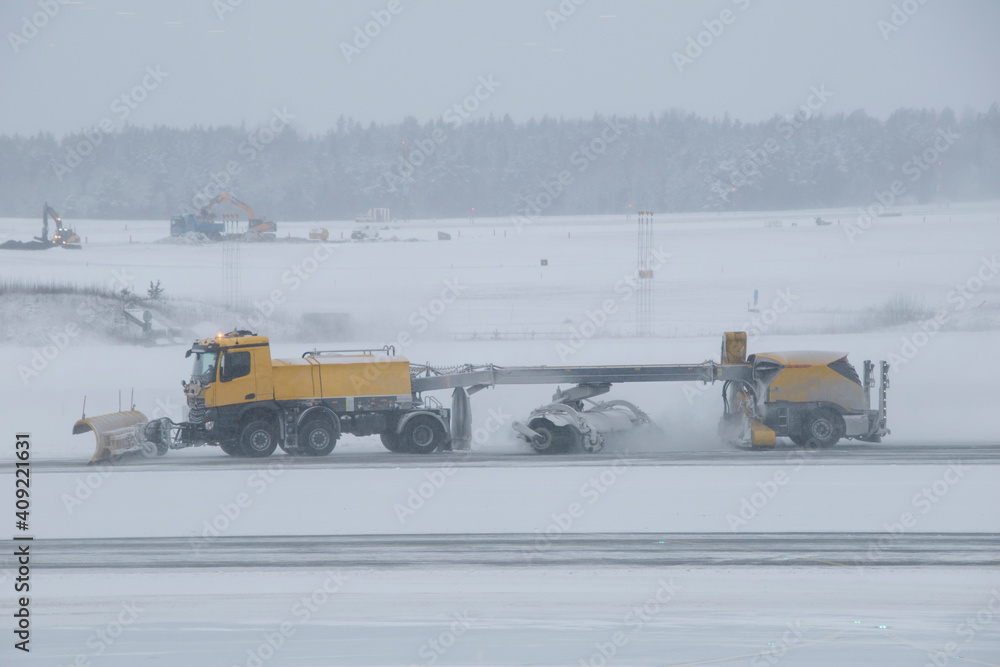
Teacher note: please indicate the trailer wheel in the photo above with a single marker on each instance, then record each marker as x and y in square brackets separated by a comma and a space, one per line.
[422, 434]
[317, 437]
[231, 447]
[391, 441]
[823, 428]
[258, 440]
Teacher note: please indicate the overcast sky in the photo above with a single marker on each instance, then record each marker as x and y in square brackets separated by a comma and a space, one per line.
[227, 67]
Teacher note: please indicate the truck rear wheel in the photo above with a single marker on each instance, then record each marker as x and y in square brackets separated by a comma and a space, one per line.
[422, 434]
[317, 437]
[391, 441]
[823, 428]
[257, 440]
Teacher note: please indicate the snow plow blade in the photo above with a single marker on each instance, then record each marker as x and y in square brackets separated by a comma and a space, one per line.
[117, 433]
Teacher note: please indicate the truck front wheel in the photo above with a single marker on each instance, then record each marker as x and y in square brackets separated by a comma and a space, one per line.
[258, 439]
[422, 434]
[231, 447]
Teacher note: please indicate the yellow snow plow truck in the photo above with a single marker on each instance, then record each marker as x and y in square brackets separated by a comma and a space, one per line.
[248, 404]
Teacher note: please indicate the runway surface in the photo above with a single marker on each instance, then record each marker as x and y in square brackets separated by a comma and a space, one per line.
[525, 550]
[209, 458]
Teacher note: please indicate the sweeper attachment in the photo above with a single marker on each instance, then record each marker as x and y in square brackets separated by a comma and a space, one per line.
[565, 424]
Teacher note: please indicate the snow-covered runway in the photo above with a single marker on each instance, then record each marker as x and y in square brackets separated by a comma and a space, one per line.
[632, 550]
[565, 614]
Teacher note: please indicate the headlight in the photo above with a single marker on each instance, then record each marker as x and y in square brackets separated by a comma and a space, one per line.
[209, 426]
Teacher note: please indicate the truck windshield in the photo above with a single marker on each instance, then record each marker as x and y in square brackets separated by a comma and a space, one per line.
[204, 367]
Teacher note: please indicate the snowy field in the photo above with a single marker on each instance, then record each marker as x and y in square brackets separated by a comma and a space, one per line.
[819, 287]
[484, 296]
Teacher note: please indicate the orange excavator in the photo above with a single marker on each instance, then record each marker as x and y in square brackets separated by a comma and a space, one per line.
[258, 225]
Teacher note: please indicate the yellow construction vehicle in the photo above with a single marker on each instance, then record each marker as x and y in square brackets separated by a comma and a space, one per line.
[248, 404]
[812, 398]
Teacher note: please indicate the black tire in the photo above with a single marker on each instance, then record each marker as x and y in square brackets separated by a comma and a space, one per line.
[823, 428]
[231, 447]
[258, 440]
[392, 442]
[422, 434]
[559, 439]
[798, 439]
[317, 437]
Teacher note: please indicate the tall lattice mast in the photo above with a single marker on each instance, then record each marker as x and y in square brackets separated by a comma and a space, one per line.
[644, 301]
[231, 264]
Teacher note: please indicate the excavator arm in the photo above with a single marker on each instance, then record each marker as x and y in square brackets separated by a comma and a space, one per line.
[256, 224]
[46, 212]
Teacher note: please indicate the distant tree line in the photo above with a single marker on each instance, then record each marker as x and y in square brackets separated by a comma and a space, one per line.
[493, 166]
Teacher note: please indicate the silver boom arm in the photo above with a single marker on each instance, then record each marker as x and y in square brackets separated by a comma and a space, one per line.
[428, 378]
